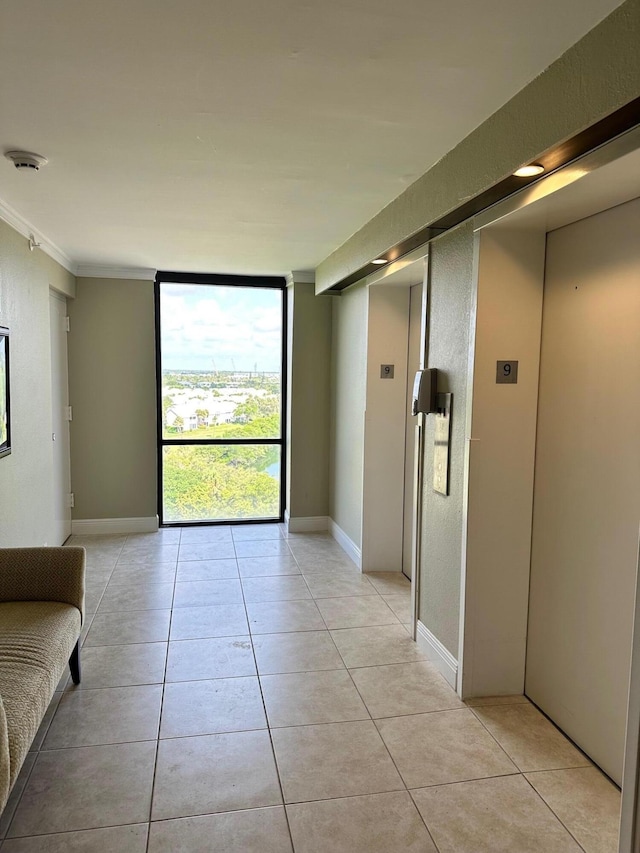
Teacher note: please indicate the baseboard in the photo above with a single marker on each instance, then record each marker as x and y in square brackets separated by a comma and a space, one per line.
[93, 526]
[347, 545]
[310, 524]
[440, 657]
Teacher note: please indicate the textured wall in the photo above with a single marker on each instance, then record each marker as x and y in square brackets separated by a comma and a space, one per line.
[348, 389]
[592, 79]
[112, 388]
[451, 304]
[310, 360]
[26, 475]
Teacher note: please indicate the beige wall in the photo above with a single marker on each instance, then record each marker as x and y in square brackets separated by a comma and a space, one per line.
[348, 394]
[595, 77]
[113, 394]
[26, 475]
[451, 304]
[309, 403]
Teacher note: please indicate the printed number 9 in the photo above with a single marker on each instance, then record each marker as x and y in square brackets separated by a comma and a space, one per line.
[506, 369]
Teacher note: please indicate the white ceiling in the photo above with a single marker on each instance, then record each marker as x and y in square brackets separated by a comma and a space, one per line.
[252, 136]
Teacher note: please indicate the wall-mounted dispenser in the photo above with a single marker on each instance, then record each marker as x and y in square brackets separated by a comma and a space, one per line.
[425, 389]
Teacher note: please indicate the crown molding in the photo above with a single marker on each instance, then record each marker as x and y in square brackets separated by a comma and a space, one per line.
[106, 271]
[300, 277]
[11, 216]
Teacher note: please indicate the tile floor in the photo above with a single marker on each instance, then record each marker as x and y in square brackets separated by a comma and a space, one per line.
[245, 692]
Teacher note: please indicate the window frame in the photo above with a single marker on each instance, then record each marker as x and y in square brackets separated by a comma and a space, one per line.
[261, 282]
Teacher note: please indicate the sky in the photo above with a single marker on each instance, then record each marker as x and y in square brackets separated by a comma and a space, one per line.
[210, 327]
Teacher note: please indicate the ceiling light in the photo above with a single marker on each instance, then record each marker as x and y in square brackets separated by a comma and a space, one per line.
[379, 261]
[529, 171]
[25, 161]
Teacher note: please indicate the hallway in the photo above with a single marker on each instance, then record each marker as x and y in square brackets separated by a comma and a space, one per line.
[245, 691]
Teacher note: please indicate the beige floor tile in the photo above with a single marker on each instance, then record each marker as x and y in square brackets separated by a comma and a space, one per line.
[306, 651]
[319, 546]
[313, 564]
[150, 596]
[252, 831]
[122, 666]
[218, 620]
[390, 583]
[215, 773]
[492, 816]
[207, 551]
[96, 540]
[16, 793]
[252, 532]
[207, 570]
[256, 567]
[586, 802]
[71, 789]
[480, 701]
[376, 646]
[200, 535]
[110, 715]
[163, 536]
[532, 741]
[128, 574]
[355, 611]
[275, 617]
[404, 688]
[112, 839]
[206, 593]
[86, 625]
[209, 707]
[159, 552]
[92, 599]
[216, 657]
[261, 548]
[338, 585]
[46, 722]
[279, 588]
[377, 823]
[111, 629]
[401, 606]
[101, 573]
[303, 698]
[333, 760]
[442, 747]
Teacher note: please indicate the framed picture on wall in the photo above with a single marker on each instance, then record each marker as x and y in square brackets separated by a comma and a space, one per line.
[5, 419]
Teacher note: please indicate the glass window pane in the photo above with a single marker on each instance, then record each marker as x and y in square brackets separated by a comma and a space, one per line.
[221, 361]
[221, 482]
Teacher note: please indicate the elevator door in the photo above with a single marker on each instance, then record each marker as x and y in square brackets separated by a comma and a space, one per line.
[587, 483]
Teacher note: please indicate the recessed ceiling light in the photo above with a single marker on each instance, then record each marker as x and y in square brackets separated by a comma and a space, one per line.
[379, 261]
[529, 171]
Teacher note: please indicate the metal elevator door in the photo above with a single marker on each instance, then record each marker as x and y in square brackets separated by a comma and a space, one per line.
[587, 483]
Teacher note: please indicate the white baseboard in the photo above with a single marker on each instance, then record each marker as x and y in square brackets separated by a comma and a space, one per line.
[440, 657]
[310, 524]
[93, 526]
[347, 545]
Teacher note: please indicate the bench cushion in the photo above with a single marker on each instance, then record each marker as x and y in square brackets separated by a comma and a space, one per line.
[36, 640]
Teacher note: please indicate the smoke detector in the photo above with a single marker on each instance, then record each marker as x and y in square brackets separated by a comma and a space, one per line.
[25, 161]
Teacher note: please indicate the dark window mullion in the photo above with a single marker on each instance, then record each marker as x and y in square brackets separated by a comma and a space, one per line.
[220, 441]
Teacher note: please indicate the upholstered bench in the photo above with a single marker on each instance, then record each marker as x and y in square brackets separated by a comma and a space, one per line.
[41, 613]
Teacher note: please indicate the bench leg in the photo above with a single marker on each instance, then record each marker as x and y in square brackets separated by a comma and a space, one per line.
[74, 663]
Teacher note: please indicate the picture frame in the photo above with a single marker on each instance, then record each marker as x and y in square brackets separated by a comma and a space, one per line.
[5, 405]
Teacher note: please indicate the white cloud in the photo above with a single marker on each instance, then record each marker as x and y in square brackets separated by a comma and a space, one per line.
[200, 326]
